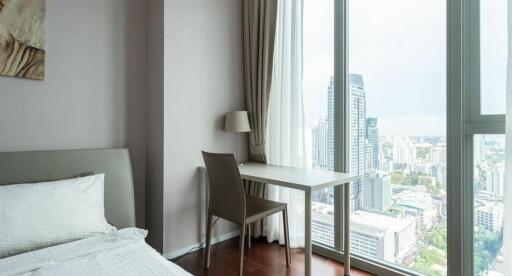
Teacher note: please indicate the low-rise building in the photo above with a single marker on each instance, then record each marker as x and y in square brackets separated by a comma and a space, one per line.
[489, 216]
[382, 237]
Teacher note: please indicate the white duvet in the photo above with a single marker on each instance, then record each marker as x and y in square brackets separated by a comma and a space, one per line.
[121, 252]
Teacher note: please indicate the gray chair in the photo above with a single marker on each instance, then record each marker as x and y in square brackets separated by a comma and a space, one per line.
[227, 200]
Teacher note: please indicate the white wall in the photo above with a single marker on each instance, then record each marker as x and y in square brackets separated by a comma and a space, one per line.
[94, 92]
[203, 80]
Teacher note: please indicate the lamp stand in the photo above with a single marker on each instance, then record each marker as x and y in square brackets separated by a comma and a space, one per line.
[237, 148]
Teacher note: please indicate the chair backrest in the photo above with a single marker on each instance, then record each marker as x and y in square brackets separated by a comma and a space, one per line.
[227, 197]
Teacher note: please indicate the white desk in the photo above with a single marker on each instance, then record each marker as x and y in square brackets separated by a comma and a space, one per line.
[307, 181]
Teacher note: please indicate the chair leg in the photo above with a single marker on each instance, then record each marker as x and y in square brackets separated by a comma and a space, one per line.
[242, 239]
[286, 237]
[249, 235]
[208, 240]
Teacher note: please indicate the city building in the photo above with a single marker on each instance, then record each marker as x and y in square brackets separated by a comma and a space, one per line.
[438, 154]
[418, 204]
[330, 128]
[495, 179]
[320, 148]
[386, 165]
[382, 237]
[439, 172]
[322, 225]
[489, 216]
[357, 136]
[403, 150]
[372, 139]
[422, 168]
[376, 191]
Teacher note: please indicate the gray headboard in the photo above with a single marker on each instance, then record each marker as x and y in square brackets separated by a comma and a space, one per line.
[19, 167]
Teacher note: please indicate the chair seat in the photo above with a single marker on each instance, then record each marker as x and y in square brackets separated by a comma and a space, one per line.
[257, 208]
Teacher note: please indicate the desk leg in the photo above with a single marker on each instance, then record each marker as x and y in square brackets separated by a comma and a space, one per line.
[307, 234]
[346, 230]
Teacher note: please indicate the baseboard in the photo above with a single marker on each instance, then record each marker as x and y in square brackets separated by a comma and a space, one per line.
[182, 251]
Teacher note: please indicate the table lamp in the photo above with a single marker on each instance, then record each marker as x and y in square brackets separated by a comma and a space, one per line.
[237, 121]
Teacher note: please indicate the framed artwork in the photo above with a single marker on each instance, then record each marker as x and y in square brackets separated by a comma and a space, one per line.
[22, 38]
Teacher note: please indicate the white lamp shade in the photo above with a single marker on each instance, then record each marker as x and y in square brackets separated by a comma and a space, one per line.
[237, 121]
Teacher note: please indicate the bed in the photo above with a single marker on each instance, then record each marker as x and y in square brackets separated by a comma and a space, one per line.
[122, 251]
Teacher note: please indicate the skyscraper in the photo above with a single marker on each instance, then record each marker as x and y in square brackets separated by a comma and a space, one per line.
[320, 145]
[372, 139]
[376, 191]
[330, 129]
[403, 150]
[357, 134]
[494, 179]
[358, 147]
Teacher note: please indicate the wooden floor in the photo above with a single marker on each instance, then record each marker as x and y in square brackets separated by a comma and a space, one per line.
[262, 259]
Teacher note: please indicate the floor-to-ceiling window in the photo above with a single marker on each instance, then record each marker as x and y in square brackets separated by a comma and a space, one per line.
[488, 187]
[318, 91]
[397, 132]
[493, 55]
[393, 130]
[488, 61]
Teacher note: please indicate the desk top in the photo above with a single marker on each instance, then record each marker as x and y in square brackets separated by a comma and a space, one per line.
[290, 177]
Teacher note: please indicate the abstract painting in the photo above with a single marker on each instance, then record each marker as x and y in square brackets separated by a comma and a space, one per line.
[22, 38]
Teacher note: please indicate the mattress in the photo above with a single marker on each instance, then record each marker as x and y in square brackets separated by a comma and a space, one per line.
[121, 252]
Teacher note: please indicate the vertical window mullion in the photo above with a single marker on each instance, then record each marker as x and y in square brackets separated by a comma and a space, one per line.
[467, 211]
[340, 111]
[459, 260]
[472, 42]
[476, 123]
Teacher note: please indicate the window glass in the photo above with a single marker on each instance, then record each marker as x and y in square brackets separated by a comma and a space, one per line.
[493, 56]
[488, 184]
[397, 131]
[318, 89]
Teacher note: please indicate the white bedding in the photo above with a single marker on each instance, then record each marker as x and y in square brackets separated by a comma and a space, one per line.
[121, 252]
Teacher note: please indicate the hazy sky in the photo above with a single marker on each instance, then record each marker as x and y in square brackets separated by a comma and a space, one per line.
[399, 46]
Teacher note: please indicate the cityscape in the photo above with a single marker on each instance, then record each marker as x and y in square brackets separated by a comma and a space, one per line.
[488, 179]
[399, 203]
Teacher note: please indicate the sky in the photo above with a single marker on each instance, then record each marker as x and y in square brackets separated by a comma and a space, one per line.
[399, 46]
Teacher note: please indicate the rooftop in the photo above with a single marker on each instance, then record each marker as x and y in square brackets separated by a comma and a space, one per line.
[419, 205]
[367, 222]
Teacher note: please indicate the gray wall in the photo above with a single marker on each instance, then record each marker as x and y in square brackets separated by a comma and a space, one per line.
[94, 92]
[155, 76]
[203, 80]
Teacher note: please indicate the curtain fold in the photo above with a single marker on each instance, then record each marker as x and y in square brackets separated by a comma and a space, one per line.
[259, 26]
[285, 132]
[507, 216]
[259, 36]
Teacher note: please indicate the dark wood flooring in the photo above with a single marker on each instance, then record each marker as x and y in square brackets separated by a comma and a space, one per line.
[262, 259]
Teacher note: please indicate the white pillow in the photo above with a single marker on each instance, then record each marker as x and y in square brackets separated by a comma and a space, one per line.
[33, 216]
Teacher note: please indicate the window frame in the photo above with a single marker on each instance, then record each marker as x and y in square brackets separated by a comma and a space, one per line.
[490, 123]
[341, 152]
[464, 120]
[476, 123]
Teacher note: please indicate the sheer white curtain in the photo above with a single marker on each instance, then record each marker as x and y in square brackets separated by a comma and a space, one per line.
[507, 224]
[285, 133]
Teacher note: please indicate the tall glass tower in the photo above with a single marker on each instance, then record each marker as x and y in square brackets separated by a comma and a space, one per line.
[372, 140]
[330, 121]
[357, 135]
